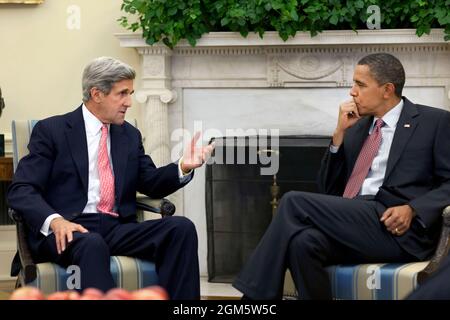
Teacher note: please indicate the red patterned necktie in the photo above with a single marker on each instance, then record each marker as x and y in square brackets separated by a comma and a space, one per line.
[364, 161]
[106, 203]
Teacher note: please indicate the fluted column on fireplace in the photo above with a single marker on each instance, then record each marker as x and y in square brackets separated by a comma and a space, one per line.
[156, 95]
[156, 124]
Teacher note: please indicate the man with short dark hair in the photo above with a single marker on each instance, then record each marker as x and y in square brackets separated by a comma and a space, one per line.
[76, 189]
[386, 179]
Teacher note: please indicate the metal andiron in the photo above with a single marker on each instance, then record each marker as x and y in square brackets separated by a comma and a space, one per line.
[275, 192]
[274, 188]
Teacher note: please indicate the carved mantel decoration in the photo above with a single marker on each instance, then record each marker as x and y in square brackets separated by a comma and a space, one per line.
[227, 62]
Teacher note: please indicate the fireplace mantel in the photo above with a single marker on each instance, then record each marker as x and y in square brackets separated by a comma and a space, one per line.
[228, 60]
[228, 81]
[325, 38]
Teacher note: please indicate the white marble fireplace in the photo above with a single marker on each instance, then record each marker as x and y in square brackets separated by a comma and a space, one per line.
[228, 82]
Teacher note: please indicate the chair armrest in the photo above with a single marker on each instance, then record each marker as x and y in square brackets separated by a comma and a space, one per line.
[441, 250]
[161, 206]
[28, 267]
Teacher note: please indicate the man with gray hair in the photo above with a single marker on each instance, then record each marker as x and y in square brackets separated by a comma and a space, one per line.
[76, 189]
[385, 179]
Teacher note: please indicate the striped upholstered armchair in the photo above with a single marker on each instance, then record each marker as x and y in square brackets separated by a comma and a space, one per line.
[381, 281]
[128, 273]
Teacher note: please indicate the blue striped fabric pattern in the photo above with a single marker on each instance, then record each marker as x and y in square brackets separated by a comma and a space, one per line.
[390, 281]
[382, 281]
[128, 273]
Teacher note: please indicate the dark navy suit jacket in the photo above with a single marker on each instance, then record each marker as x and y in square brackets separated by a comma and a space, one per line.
[53, 177]
[417, 173]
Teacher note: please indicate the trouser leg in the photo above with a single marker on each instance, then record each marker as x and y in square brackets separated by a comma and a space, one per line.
[171, 243]
[89, 253]
[353, 224]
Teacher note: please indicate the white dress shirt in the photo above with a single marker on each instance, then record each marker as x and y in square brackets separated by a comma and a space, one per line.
[93, 128]
[375, 177]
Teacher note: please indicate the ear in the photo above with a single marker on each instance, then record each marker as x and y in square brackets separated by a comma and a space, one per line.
[389, 90]
[96, 95]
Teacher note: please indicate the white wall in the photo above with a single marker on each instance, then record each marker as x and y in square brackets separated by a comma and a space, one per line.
[41, 59]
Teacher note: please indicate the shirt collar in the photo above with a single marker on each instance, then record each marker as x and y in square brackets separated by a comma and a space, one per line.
[390, 119]
[91, 122]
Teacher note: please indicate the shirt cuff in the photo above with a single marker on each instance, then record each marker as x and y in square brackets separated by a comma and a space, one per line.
[45, 229]
[183, 176]
[334, 149]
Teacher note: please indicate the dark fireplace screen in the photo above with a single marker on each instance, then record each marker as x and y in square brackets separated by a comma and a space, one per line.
[240, 200]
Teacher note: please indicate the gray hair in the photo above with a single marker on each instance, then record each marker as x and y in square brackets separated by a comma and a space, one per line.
[102, 73]
[386, 68]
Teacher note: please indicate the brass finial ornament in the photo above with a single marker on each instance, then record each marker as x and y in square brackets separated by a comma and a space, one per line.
[274, 188]
[275, 192]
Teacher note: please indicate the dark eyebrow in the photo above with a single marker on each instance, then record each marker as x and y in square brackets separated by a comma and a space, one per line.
[358, 82]
[126, 91]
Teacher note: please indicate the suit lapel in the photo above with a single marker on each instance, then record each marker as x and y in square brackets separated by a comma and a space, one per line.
[76, 140]
[355, 139]
[406, 125]
[119, 155]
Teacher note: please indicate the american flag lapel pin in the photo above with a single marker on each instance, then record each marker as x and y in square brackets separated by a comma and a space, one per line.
[407, 125]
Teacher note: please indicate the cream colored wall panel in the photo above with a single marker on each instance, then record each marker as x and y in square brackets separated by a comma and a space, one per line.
[43, 53]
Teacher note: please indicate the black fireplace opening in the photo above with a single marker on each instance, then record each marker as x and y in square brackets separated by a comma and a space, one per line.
[239, 199]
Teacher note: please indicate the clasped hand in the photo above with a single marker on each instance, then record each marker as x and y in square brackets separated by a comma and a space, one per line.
[398, 219]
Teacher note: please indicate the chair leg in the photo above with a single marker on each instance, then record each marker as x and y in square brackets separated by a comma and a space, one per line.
[18, 282]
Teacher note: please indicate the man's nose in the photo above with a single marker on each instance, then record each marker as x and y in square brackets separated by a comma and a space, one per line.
[128, 102]
[353, 92]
